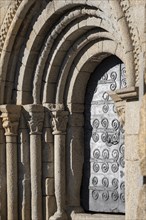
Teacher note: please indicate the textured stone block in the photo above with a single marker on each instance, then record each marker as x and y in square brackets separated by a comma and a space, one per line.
[133, 180]
[131, 147]
[48, 135]
[48, 152]
[141, 210]
[49, 206]
[77, 120]
[49, 186]
[48, 170]
[142, 137]
[132, 117]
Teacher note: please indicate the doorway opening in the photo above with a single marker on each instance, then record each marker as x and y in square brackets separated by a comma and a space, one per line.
[103, 182]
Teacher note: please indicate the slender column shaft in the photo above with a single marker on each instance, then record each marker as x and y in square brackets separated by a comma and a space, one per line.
[35, 164]
[10, 118]
[59, 124]
[35, 116]
[24, 174]
[3, 205]
[60, 172]
[12, 184]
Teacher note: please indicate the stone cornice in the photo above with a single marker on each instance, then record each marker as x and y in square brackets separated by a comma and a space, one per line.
[10, 115]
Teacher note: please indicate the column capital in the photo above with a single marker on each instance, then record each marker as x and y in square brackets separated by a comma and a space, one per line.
[54, 107]
[34, 115]
[10, 115]
[59, 117]
[59, 121]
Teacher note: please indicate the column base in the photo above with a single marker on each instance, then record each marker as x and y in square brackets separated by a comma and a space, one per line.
[74, 209]
[59, 216]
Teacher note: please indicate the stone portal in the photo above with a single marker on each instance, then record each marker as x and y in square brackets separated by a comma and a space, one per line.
[103, 183]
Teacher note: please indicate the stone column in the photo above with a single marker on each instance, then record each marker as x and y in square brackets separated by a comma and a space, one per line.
[35, 117]
[10, 121]
[141, 208]
[24, 171]
[75, 157]
[3, 193]
[59, 124]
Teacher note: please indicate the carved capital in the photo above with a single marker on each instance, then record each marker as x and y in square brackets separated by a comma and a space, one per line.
[59, 121]
[54, 107]
[120, 107]
[34, 115]
[10, 115]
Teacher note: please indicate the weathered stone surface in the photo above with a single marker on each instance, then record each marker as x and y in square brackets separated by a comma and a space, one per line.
[48, 152]
[96, 216]
[49, 186]
[133, 184]
[48, 170]
[142, 137]
[50, 206]
[141, 209]
[48, 136]
[131, 148]
[132, 118]
[49, 50]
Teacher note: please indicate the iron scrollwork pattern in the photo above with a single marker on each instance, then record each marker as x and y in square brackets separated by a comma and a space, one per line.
[106, 185]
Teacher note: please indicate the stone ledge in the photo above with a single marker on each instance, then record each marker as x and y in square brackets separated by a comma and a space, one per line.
[86, 216]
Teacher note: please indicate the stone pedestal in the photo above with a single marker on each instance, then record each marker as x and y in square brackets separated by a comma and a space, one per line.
[10, 120]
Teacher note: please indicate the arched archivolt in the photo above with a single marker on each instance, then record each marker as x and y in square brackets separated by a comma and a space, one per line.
[84, 65]
[31, 63]
[16, 25]
[70, 27]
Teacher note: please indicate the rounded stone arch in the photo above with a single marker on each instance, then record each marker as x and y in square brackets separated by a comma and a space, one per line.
[16, 88]
[9, 30]
[46, 52]
[74, 98]
[27, 77]
[84, 64]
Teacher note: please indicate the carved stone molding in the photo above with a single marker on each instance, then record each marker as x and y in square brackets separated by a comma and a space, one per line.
[134, 34]
[59, 117]
[120, 97]
[54, 107]
[59, 121]
[7, 21]
[120, 107]
[10, 119]
[34, 115]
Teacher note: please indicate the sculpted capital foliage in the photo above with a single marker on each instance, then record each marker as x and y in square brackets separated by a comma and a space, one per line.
[34, 115]
[10, 115]
[59, 121]
[121, 113]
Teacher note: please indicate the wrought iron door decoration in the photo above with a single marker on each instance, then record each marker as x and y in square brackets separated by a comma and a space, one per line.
[106, 142]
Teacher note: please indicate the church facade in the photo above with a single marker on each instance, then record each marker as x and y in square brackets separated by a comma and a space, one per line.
[72, 129]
